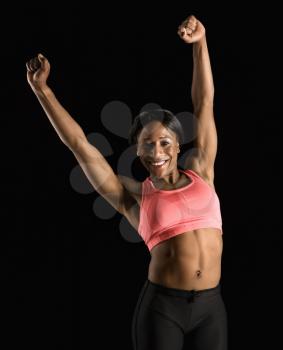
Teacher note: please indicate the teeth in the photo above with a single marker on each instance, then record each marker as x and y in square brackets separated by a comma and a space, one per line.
[160, 163]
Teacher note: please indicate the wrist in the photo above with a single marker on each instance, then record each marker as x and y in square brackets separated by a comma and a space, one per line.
[201, 42]
[41, 90]
[199, 47]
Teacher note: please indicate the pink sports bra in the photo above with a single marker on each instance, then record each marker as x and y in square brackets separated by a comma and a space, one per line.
[168, 213]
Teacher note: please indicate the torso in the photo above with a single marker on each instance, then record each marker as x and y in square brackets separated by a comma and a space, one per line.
[191, 260]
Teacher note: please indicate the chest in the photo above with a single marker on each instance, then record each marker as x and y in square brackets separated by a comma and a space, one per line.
[165, 209]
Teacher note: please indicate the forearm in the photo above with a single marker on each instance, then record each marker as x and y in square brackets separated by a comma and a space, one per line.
[202, 82]
[66, 127]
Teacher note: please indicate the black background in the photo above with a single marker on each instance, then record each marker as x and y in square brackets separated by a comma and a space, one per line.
[70, 280]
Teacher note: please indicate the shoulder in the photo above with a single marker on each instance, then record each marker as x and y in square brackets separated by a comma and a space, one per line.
[196, 161]
[206, 174]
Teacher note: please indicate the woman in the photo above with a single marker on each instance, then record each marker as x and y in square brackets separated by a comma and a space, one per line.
[178, 212]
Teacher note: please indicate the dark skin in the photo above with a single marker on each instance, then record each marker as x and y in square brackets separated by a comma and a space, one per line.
[191, 260]
[155, 143]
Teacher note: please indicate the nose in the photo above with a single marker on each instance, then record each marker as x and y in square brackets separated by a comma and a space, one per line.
[156, 151]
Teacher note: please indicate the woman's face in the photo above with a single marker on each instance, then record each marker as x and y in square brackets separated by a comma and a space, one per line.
[155, 144]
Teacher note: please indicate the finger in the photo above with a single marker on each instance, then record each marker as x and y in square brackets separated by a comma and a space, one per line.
[192, 19]
[37, 63]
[31, 65]
[40, 57]
[185, 23]
[191, 25]
[189, 31]
[28, 67]
[34, 64]
[182, 31]
[43, 61]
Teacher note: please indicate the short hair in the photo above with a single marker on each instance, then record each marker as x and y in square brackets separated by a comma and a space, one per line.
[167, 118]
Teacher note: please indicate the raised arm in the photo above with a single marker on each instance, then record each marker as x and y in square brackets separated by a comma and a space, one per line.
[92, 162]
[193, 32]
[69, 131]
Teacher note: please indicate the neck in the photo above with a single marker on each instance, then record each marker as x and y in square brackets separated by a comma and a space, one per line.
[170, 179]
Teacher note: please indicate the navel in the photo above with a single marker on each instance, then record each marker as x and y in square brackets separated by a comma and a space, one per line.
[198, 274]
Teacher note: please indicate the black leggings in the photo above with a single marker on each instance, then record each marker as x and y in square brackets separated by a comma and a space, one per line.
[163, 316]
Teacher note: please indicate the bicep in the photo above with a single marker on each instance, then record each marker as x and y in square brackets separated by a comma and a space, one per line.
[100, 174]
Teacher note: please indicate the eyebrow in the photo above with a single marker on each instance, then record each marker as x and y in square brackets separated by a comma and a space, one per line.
[162, 137]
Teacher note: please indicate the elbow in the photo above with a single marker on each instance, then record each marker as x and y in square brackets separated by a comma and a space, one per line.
[206, 102]
[205, 98]
[75, 143]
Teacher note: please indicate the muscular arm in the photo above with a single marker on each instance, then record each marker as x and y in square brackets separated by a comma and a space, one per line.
[202, 99]
[69, 131]
[202, 84]
[96, 168]
[192, 32]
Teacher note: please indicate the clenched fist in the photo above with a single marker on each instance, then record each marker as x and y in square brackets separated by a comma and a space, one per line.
[191, 30]
[38, 69]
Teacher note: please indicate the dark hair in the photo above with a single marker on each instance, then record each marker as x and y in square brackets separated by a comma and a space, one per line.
[166, 117]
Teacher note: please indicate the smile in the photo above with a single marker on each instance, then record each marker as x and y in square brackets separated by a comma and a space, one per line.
[159, 164]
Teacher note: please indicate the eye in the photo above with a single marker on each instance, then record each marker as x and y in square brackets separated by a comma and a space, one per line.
[164, 143]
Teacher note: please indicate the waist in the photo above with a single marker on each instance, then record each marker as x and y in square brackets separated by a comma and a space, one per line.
[185, 274]
[184, 293]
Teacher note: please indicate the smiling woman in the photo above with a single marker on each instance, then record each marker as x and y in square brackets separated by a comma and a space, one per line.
[158, 135]
[180, 221]
[176, 212]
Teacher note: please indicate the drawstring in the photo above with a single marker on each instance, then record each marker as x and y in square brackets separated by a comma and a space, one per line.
[191, 298]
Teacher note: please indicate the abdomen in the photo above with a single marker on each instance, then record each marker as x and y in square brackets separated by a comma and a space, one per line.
[191, 260]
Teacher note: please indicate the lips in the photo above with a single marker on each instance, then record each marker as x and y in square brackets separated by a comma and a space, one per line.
[159, 164]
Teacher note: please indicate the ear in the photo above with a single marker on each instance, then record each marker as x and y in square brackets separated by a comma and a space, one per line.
[178, 147]
[136, 149]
